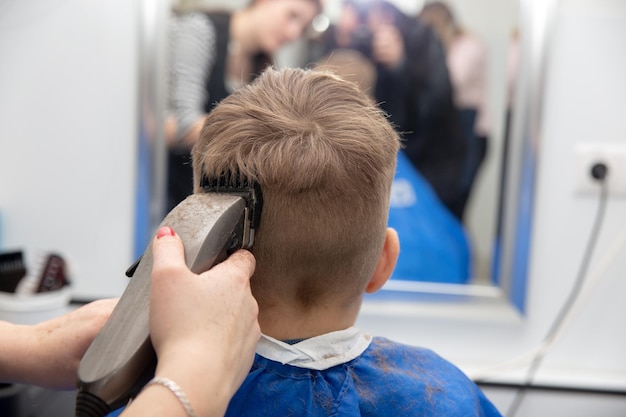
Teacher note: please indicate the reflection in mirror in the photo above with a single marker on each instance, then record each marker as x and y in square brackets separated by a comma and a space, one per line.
[465, 240]
[216, 50]
[447, 236]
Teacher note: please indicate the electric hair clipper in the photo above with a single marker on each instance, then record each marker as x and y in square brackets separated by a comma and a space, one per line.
[121, 359]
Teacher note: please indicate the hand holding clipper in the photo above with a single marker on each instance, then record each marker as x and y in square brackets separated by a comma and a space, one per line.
[121, 359]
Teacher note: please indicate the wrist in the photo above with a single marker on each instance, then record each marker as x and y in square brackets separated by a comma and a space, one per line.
[205, 381]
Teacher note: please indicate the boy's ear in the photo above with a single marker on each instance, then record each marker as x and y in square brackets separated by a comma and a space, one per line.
[386, 263]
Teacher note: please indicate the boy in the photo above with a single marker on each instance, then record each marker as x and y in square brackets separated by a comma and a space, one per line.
[324, 156]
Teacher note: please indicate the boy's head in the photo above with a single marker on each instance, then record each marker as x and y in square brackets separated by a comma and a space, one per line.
[324, 156]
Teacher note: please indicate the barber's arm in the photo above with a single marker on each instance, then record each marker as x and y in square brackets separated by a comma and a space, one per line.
[47, 354]
[204, 330]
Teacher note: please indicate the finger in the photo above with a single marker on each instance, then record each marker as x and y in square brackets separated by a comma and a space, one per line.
[241, 262]
[168, 251]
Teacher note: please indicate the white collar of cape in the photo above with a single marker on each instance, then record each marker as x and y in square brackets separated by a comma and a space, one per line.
[318, 353]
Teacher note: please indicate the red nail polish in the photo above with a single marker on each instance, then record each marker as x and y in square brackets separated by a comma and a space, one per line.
[165, 231]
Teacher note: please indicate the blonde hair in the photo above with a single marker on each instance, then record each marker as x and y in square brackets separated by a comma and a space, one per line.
[351, 65]
[324, 156]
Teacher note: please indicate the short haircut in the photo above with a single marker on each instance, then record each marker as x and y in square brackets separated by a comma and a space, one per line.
[324, 156]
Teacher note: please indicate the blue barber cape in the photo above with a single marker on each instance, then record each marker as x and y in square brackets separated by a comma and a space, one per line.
[351, 374]
[434, 245]
[387, 379]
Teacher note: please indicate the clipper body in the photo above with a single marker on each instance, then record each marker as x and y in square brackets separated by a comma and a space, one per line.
[121, 358]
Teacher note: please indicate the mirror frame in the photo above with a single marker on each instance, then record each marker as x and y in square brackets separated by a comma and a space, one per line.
[152, 49]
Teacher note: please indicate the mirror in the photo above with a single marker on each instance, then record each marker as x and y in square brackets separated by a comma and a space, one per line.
[512, 235]
[476, 250]
[498, 208]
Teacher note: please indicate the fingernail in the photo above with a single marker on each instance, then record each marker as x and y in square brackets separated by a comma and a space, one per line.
[165, 231]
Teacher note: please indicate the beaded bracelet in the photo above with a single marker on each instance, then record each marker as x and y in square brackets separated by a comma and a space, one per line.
[175, 389]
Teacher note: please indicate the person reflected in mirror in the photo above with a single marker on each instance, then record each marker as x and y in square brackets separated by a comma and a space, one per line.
[412, 85]
[213, 53]
[466, 56]
[436, 246]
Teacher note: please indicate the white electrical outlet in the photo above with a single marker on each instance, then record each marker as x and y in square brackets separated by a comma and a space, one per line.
[613, 155]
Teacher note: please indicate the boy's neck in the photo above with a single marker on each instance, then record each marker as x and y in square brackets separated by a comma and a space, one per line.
[283, 322]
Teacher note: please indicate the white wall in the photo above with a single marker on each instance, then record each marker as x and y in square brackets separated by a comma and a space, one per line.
[68, 111]
[585, 101]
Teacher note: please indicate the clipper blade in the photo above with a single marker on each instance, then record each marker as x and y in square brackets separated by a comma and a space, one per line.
[234, 183]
